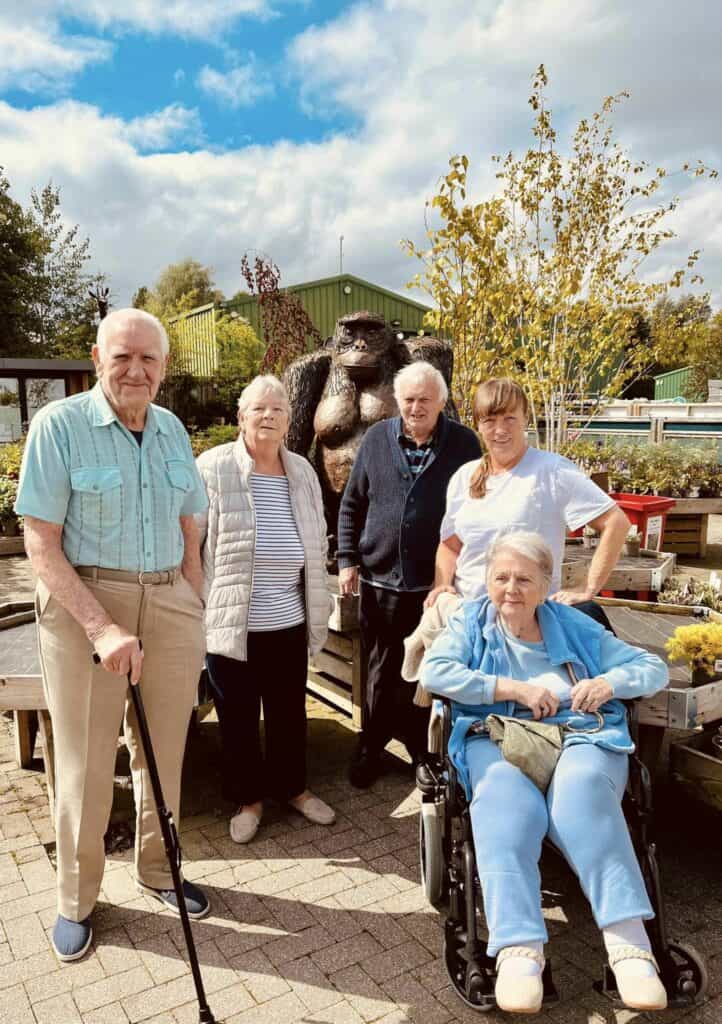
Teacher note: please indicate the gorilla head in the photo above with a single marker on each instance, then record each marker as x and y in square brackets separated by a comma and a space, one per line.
[361, 340]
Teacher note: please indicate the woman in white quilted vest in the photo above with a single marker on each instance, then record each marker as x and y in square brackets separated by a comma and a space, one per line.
[267, 604]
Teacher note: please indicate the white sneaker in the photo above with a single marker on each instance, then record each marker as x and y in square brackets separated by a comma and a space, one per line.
[243, 826]
[315, 810]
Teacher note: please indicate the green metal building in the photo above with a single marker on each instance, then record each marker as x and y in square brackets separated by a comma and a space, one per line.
[324, 301]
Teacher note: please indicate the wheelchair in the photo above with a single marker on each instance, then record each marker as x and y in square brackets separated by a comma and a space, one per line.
[451, 883]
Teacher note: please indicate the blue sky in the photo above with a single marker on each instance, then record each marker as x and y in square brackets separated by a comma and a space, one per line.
[204, 128]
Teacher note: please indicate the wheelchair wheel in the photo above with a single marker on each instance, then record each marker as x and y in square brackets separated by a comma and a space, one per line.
[692, 978]
[431, 853]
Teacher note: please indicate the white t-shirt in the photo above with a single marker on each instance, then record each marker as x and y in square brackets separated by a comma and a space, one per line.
[544, 492]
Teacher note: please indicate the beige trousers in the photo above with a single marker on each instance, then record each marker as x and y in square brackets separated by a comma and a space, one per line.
[88, 704]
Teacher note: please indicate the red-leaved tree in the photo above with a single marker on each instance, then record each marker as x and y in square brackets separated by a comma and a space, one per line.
[287, 328]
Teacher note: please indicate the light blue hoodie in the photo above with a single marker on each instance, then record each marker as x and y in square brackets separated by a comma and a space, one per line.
[465, 660]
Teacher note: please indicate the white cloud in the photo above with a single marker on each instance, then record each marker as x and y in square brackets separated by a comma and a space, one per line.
[189, 18]
[179, 76]
[240, 87]
[421, 81]
[173, 125]
[38, 58]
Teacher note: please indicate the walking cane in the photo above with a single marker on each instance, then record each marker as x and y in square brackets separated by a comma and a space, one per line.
[172, 847]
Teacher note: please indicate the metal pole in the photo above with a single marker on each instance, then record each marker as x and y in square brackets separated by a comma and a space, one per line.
[172, 849]
[340, 254]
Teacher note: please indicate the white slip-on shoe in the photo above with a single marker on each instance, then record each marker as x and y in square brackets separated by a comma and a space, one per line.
[643, 992]
[243, 826]
[315, 810]
[519, 993]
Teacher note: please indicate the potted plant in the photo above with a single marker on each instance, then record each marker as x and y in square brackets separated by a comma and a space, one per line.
[589, 537]
[701, 647]
[633, 543]
[8, 494]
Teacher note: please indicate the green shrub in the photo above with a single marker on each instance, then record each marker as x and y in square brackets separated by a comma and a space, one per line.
[11, 456]
[202, 440]
[672, 469]
[8, 494]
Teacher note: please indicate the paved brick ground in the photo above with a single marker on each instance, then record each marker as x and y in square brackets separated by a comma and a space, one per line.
[309, 924]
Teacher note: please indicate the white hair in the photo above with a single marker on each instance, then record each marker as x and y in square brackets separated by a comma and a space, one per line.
[528, 545]
[123, 316]
[258, 386]
[418, 373]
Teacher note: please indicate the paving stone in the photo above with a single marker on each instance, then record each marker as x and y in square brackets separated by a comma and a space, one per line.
[362, 992]
[24, 970]
[160, 957]
[14, 1006]
[110, 990]
[9, 872]
[112, 1013]
[388, 963]
[64, 978]
[38, 875]
[27, 905]
[223, 1004]
[310, 983]
[58, 1010]
[417, 1002]
[344, 954]
[286, 1008]
[290, 947]
[259, 976]
[158, 999]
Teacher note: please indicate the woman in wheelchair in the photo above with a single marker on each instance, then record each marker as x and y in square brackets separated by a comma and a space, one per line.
[513, 653]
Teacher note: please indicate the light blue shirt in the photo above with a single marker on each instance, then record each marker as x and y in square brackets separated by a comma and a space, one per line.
[119, 502]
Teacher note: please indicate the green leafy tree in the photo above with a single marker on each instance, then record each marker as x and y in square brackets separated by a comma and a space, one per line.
[181, 287]
[546, 281]
[240, 356]
[60, 295]
[19, 253]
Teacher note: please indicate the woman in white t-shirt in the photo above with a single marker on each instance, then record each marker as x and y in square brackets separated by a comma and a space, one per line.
[517, 487]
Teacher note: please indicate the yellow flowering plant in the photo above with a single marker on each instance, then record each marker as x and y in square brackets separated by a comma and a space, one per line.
[700, 646]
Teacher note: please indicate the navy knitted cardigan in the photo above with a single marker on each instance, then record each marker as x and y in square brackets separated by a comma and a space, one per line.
[389, 520]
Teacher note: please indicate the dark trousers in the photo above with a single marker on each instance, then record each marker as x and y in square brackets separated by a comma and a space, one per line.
[275, 674]
[385, 618]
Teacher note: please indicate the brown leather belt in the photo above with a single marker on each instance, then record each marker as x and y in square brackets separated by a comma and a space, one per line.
[145, 579]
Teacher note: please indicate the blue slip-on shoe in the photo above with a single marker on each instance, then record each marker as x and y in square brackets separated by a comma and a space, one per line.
[71, 939]
[197, 903]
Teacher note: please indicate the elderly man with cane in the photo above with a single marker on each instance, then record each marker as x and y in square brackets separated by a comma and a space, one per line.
[108, 489]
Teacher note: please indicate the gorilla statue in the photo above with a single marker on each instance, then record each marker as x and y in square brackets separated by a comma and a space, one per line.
[341, 389]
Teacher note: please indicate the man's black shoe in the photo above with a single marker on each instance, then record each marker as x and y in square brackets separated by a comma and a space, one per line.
[365, 769]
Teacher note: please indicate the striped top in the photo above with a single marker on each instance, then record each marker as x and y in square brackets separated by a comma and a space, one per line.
[277, 598]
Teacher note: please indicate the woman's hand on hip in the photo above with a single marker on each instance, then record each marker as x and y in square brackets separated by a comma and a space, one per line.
[541, 702]
[590, 694]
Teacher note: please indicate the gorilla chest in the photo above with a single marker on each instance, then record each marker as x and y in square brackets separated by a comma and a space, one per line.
[346, 412]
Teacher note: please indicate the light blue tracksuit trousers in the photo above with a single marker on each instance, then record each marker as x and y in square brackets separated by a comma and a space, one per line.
[583, 817]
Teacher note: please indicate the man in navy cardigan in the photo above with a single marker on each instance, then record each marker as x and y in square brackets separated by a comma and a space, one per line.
[388, 531]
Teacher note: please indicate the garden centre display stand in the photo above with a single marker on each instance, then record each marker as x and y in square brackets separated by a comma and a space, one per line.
[338, 672]
[685, 531]
[635, 577]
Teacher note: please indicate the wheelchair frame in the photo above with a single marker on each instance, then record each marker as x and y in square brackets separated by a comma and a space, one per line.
[451, 883]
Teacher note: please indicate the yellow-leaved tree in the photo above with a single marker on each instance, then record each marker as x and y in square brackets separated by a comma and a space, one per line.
[547, 281]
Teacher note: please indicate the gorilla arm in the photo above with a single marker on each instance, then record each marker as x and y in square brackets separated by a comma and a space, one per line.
[440, 354]
[304, 380]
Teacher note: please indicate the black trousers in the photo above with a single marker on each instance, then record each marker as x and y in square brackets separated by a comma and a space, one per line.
[385, 618]
[596, 612]
[275, 674]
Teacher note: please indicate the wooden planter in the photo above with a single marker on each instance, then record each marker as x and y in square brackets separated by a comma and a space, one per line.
[338, 672]
[644, 573]
[12, 546]
[694, 764]
[685, 531]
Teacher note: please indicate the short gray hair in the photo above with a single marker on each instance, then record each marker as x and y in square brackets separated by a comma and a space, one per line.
[260, 384]
[528, 545]
[417, 372]
[119, 316]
